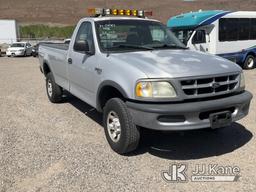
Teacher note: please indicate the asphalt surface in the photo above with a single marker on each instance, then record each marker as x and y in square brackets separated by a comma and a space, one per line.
[62, 147]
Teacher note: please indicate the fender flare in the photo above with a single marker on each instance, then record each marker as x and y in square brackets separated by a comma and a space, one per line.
[111, 84]
[46, 63]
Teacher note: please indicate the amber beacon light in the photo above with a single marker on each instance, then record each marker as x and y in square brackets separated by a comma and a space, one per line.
[97, 12]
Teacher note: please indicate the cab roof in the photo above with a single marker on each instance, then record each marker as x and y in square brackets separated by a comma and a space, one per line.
[106, 18]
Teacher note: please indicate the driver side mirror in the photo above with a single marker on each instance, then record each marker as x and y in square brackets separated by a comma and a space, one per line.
[82, 46]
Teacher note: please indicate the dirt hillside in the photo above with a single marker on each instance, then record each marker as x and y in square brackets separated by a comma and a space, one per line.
[69, 11]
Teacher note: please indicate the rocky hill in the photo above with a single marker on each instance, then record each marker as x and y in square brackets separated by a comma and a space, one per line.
[68, 12]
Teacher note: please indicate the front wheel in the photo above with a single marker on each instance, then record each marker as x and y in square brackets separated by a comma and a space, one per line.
[122, 134]
[54, 91]
[249, 62]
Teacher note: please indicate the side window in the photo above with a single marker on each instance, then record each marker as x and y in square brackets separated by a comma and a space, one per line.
[228, 29]
[233, 29]
[85, 33]
[199, 37]
[253, 29]
[244, 29]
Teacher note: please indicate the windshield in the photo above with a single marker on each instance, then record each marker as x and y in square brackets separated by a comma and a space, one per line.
[134, 35]
[18, 45]
[183, 34]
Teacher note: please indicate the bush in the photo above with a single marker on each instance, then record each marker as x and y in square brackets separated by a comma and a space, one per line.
[44, 31]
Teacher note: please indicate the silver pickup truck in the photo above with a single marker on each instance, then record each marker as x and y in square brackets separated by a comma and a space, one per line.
[138, 74]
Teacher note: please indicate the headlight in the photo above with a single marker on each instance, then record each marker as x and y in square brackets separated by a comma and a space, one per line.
[155, 89]
[242, 80]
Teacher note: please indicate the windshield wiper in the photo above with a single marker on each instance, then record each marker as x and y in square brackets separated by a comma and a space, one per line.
[171, 46]
[133, 46]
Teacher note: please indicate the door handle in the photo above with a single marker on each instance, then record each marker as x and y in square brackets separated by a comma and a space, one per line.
[69, 61]
[99, 70]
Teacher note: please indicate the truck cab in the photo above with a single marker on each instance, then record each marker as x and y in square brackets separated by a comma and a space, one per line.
[138, 74]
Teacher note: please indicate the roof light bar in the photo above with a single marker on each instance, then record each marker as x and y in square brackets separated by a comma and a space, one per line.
[140, 13]
[134, 13]
[107, 11]
[114, 12]
[128, 12]
[95, 11]
[118, 12]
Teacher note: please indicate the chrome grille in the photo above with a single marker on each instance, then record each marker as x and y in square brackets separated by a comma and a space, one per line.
[210, 86]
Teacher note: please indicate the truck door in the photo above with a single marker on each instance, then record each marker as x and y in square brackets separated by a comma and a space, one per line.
[199, 41]
[82, 66]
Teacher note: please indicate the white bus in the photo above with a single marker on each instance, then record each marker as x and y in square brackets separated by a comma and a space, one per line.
[231, 35]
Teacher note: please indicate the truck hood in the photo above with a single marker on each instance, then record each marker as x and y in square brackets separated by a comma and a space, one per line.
[176, 63]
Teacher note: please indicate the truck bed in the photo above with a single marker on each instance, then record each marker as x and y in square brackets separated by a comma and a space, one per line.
[61, 46]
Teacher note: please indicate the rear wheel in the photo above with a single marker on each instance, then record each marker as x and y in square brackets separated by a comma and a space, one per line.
[121, 132]
[54, 91]
[249, 62]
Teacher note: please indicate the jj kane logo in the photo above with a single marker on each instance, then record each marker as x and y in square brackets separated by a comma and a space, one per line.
[215, 173]
[176, 173]
[202, 173]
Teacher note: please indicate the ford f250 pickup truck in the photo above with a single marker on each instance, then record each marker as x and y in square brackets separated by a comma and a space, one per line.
[135, 71]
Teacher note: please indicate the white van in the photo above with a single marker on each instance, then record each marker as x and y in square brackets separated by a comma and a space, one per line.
[231, 35]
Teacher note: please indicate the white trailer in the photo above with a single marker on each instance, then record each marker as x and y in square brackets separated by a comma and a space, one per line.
[8, 31]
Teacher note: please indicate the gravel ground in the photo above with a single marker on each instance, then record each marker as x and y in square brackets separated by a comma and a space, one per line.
[62, 147]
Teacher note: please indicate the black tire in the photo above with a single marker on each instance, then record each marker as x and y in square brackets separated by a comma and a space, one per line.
[248, 62]
[55, 96]
[129, 134]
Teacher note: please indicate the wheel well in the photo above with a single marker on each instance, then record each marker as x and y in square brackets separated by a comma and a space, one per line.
[46, 69]
[251, 53]
[107, 93]
[245, 57]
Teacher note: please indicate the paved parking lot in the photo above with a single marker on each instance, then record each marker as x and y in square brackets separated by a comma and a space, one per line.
[62, 147]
